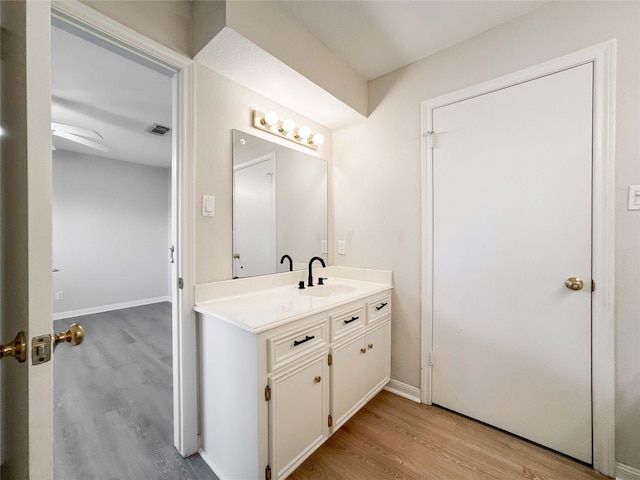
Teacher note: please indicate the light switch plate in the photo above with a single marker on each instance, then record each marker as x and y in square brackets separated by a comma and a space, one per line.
[634, 197]
[208, 206]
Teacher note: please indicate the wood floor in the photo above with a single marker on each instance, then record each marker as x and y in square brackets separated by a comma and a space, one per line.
[113, 403]
[392, 437]
[113, 421]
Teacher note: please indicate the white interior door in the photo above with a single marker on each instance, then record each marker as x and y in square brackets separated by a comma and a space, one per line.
[27, 389]
[254, 217]
[512, 221]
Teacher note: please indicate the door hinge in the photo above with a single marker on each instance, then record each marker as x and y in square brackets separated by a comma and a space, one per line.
[180, 283]
[267, 473]
[267, 393]
[330, 421]
[593, 285]
[431, 359]
[430, 136]
[330, 359]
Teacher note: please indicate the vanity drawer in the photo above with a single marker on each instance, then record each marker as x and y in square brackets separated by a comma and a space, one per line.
[346, 321]
[296, 342]
[378, 308]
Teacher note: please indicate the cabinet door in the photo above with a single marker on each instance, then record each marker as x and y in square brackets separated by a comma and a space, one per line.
[298, 414]
[347, 379]
[378, 359]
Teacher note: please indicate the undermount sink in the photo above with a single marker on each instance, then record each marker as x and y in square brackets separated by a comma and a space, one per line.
[326, 290]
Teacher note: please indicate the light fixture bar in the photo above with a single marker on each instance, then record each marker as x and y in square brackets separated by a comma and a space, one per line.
[286, 129]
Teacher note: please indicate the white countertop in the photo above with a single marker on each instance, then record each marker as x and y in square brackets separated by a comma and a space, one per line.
[265, 309]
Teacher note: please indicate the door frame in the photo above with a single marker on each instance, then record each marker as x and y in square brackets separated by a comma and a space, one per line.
[185, 400]
[603, 57]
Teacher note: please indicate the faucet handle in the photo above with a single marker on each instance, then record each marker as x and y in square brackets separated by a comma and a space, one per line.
[321, 280]
[301, 285]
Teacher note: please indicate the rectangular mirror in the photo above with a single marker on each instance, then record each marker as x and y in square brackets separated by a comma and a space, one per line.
[279, 207]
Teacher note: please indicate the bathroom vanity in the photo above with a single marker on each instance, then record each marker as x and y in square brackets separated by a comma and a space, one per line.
[281, 368]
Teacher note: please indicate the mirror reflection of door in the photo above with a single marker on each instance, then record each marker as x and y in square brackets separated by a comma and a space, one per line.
[254, 206]
[299, 204]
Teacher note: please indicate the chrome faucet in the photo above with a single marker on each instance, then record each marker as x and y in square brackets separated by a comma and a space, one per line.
[310, 279]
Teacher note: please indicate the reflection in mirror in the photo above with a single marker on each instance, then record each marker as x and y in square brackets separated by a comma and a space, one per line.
[279, 207]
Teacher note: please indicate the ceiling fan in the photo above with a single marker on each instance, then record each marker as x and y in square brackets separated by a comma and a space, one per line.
[83, 136]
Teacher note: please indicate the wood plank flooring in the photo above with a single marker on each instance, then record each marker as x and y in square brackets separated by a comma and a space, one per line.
[113, 421]
[113, 403]
[392, 437]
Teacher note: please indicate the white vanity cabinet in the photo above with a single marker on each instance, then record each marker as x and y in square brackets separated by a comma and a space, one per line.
[297, 393]
[360, 362]
[270, 392]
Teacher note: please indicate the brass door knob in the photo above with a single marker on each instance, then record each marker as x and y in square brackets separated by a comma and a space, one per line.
[16, 349]
[574, 283]
[318, 379]
[74, 335]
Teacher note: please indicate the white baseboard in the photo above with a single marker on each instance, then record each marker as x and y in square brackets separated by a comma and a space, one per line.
[624, 472]
[403, 390]
[109, 308]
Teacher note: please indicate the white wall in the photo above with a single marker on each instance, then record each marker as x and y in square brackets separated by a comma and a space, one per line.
[377, 177]
[110, 232]
[166, 22]
[223, 105]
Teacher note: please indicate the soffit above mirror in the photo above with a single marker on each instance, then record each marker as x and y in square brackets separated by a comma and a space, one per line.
[233, 56]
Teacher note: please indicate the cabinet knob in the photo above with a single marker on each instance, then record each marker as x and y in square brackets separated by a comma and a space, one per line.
[370, 346]
[318, 379]
[363, 350]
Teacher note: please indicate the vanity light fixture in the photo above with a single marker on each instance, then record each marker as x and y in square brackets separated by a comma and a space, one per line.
[287, 126]
[270, 122]
[317, 139]
[269, 119]
[303, 133]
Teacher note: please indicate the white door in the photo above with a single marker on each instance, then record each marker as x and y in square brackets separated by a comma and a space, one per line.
[27, 389]
[254, 217]
[512, 222]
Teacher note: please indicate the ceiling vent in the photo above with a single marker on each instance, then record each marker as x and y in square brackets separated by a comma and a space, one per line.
[159, 129]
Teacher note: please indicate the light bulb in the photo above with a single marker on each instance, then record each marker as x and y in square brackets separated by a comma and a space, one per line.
[270, 118]
[288, 126]
[317, 139]
[304, 132]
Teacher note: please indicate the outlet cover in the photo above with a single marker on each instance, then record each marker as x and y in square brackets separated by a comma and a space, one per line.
[59, 295]
[342, 247]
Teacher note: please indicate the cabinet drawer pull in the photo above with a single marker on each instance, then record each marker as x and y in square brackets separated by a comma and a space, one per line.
[381, 306]
[370, 346]
[353, 319]
[363, 350]
[306, 339]
[318, 379]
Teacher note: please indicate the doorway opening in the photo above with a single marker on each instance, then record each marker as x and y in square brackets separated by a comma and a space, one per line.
[117, 254]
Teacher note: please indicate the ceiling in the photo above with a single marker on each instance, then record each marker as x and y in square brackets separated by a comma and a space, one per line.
[112, 92]
[378, 37]
[98, 86]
